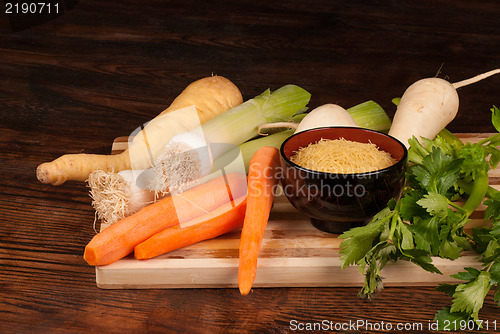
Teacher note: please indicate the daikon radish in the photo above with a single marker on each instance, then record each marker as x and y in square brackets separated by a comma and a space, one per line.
[428, 106]
[209, 96]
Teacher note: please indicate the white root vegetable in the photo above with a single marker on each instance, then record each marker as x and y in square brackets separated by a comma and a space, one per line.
[199, 102]
[428, 106]
[326, 115]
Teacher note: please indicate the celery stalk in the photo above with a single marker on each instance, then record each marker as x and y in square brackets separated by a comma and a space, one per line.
[370, 115]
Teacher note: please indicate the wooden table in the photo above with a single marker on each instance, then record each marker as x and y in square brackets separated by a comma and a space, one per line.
[101, 68]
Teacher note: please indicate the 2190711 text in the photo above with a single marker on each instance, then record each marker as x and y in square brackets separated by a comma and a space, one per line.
[31, 8]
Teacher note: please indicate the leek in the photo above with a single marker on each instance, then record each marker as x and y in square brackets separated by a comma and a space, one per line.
[189, 156]
[249, 148]
[241, 123]
[396, 101]
[370, 115]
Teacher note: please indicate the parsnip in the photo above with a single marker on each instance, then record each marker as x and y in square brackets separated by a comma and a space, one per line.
[428, 106]
[210, 96]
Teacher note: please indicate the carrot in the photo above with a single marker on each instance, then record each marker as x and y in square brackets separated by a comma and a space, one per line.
[224, 219]
[119, 239]
[261, 181]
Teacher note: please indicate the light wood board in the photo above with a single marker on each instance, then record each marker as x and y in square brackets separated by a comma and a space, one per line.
[293, 254]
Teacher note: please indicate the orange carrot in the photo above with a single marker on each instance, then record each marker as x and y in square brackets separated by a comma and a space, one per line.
[224, 219]
[119, 239]
[261, 182]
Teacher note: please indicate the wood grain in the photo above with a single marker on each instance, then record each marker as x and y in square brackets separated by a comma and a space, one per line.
[75, 83]
[293, 254]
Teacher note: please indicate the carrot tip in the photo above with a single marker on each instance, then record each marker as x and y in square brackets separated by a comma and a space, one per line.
[245, 288]
[90, 256]
[139, 254]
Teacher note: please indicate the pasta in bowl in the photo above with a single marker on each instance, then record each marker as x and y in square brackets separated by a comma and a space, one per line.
[342, 176]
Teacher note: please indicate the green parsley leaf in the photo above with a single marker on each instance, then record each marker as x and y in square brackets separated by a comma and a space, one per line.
[495, 273]
[441, 143]
[492, 251]
[494, 154]
[422, 175]
[426, 234]
[462, 241]
[448, 289]
[492, 209]
[436, 204]
[444, 317]
[481, 237]
[474, 159]
[469, 275]
[450, 250]
[495, 118]
[469, 297]
[405, 236]
[421, 258]
[409, 207]
[359, 240]
[438, 172]
[495, 231]
[417, 151]
[496, 297]
[445, 138]
[371, 267]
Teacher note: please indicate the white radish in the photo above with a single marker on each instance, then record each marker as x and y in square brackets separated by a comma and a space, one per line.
[428, 106]
[326, 115]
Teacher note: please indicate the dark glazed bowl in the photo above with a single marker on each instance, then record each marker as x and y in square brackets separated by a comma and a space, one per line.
[338, 202]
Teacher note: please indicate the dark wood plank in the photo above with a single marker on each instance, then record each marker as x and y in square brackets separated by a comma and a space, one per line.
[103, 68]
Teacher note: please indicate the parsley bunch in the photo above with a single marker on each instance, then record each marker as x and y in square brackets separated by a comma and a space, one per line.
[426, 222]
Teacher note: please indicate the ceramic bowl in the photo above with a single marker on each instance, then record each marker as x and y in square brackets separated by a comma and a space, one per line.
[336, 202]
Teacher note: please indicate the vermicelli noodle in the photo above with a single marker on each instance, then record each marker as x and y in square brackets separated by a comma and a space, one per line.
[342, 156]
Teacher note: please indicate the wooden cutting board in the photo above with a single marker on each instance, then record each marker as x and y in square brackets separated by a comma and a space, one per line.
[293, 254]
